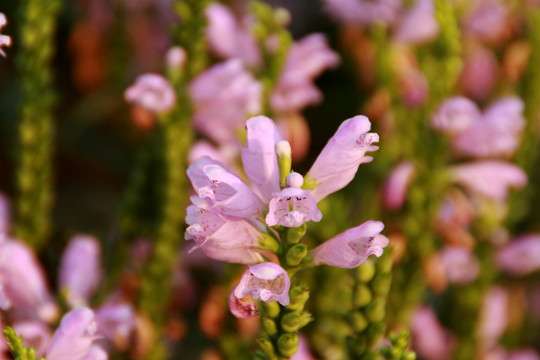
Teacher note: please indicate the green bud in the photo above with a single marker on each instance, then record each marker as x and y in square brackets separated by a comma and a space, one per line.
[269, 309]
[362, 296]
[375, 310]
[283, 152]
[298, 295]
[365, 272]
[269, 326]
[357, 345]
[268, 242]
[288, 344]
[386, 351]
[381, 284]
[295, 234]
[358, 321]
[295, 320]
[409, 355]
[375, 332]
[296, 254]
[384, 263]
[267, 348]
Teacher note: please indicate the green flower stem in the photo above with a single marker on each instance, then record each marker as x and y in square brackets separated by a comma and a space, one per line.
[398, 350]
[15, 345]
[36, 128]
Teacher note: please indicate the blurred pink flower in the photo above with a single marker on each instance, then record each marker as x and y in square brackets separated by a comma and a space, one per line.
[413, 85]
[228, 38]
[35, 334]
[460, 265]
[303, 352]
[418, 25]
[395, 188]
[266, 282]
[307, 59]
[487, 19]
[455, 115]
[523, 354]
[339, 160]
[5, 216]
[521, 256]
[176, 57]
[352, 247]
[153, 92]
[74, 336]
[80, 269]
[493, 318]
[223, 96]
[116, 321]
[492, 179]
[23, 283]
[430, 339]
[4, 39]
[364, 11]
[96, 352]
[479, 73]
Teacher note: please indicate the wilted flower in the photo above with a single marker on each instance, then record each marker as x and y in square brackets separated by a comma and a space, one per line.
[418, 25]
[153, 92]
[352, 247]
[521, 256]
[266, 282]
[4, 39]
[80, 269]
[242, 308]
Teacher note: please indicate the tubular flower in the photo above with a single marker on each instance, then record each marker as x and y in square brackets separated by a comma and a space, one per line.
[153, 92]
[418, 25]
[395, 189]
[521, 256]
[352, 247]
[4, 39]
[266, 282]
[292, 207]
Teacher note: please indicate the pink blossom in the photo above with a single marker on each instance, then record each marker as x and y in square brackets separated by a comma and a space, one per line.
[176, 57]
[96, 352]
[242, 308]
[23, 282]
[418, 25]
[479, 72]
[523, 354]
[521, 256]
[74, 336]
[307, 59]
[266, 282]
[413, 86]
[116, 321]
[223, 237]
[395, 188]
[228, 38]
[221, 191]
[303, 352]
[292, 207]
[456, 115]
[339, 160]
[352, 247]
[459, 264]
[487, 19]
[364, 11]
[5, 216]
[80, 269]
[223, 96]
[35, 334]
[153, 92]
[492, 179]
[493, 316]
[430, 339]
[4, 39]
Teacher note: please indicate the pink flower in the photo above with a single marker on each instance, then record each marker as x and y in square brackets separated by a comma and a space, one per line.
[352, 247]
[4, 39]
[479, 72]
[364, 11]
[430, 339]
[492, 179]
[74, 336]
[5, 216]
[259, 155]
[339, 160]
[228, 38]
[223, 96]
[80, 269]
[266, 282]
[23, 282]
[456, 115]
[116, 321]
[223, 237]
[395, 189]
[487, 19]
[35, 334]
[307, 59]
[493, 316]
[521, 256]
[303, 352]
[459, 264]
[176, 57]
[242, 308]
[153, 92]
[413, 86]
[221, 191]
[96, 352]
[291, 207]
[523, 354]
[418, 25]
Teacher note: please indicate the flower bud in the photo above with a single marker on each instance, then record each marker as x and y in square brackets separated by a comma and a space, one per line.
[375, 310]
[296, 254]
[299, 295]
[267, 348]
[365, 272]
[295, 234]
[268, 242]
[288, 344]
[381, 284]
[295, 320]
[362, 296]
[283, 152]
[269, 326]
[358, 321]
[269, 309]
